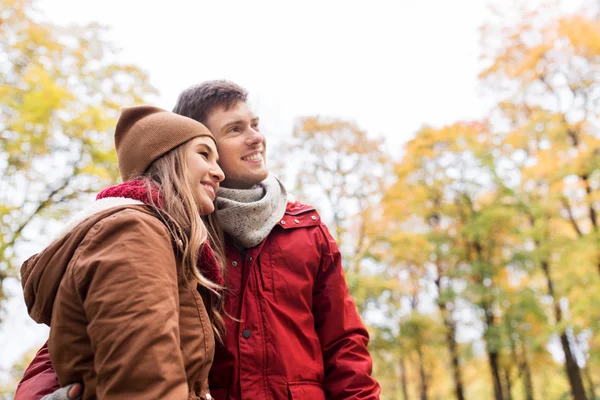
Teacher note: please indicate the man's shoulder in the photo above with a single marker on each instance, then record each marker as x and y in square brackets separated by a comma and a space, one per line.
[300, 215]
[296, 207]
[301, 225]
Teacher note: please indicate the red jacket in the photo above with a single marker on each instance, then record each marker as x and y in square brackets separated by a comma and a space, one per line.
[299, 335]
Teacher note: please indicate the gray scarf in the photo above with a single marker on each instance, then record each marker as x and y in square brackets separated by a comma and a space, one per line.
[248, 215]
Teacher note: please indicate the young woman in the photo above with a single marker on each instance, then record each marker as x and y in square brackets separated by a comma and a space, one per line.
[132, 289]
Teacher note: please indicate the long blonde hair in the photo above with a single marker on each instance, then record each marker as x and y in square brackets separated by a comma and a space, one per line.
[190, 230]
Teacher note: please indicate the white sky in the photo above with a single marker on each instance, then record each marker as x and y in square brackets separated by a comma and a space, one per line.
[391, 66]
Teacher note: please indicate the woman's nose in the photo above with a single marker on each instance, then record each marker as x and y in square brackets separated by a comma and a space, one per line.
[217, 173]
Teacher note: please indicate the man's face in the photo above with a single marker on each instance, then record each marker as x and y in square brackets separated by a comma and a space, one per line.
[241, 146]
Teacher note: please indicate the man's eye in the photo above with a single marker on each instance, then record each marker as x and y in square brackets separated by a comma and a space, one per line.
[235, 129]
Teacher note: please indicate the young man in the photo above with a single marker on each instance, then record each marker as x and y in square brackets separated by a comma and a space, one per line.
[295, 331]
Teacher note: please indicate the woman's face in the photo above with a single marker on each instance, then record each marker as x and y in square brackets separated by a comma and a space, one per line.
[204, 172]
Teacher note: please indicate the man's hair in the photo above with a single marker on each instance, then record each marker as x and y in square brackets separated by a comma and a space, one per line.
[198, 102]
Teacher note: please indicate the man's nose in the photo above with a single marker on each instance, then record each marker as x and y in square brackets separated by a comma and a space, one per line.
[254, 137]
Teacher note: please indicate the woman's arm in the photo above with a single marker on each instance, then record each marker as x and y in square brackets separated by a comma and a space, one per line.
[125, 273]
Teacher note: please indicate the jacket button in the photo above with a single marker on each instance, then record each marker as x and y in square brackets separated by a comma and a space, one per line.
[246, 333]
[313, 218]
[282, 222]
[297, 221]
[250, 258]
[234, 263]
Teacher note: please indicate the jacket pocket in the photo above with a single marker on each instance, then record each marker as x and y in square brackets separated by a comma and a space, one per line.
[306, 390]
[218, 393]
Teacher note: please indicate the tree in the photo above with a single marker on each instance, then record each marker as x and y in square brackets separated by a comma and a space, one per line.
[439, 170]
[546, 65]
[60, 93]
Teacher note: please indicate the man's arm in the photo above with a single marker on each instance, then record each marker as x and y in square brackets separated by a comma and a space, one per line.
[342, 334]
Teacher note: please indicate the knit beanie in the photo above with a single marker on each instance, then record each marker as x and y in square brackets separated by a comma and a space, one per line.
[144, 133]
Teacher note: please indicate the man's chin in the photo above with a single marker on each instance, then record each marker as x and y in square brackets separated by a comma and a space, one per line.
[247, 182]
[263, 176]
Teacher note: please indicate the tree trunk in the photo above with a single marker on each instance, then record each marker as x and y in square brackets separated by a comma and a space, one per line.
[527, 380]
[590, 382]
[493, 356]
[592, 214]
[450, 340]
[507, 383]
[591, 210]
[523, 366]
[493, 360]
[489, 323]
[403, 378]
[573, 371]
[453, 349]
[422, 374]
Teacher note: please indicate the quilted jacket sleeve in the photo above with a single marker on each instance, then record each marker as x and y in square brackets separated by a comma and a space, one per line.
[39, 378]
[343, 336]
[126, 274]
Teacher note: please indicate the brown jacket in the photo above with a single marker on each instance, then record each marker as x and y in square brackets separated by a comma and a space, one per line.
[122, 320]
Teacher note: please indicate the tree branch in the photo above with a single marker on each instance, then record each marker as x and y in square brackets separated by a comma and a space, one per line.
[565, 202]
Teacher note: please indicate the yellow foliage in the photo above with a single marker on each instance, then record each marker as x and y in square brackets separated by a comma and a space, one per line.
[61, 92]
[583, 35]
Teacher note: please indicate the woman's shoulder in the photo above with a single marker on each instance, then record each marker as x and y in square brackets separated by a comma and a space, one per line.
[138, 220]
[131, 214]
[131, 237]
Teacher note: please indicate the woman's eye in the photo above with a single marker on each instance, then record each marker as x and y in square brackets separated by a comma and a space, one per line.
[203, 154]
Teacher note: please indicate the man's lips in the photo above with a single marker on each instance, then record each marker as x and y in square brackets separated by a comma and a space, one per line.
[253, 157]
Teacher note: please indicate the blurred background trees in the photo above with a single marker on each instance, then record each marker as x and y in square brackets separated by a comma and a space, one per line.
[473, 253]
[482, 260]
[60, 93]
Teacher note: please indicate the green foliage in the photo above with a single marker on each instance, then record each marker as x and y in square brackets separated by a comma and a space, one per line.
[60, 93]
[480, 245]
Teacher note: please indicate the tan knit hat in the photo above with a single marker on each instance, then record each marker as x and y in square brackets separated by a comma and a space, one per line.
[144, 133]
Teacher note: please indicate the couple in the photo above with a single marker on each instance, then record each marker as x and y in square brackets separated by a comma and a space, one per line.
[151, 295]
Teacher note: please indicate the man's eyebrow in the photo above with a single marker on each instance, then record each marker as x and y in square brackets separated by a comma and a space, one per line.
[208, 148]
[237, 122]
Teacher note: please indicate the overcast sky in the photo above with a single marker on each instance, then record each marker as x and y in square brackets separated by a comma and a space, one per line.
[391, 66]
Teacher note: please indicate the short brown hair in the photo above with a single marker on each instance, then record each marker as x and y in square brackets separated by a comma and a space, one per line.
[198, 102]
